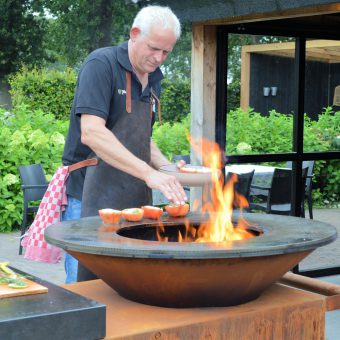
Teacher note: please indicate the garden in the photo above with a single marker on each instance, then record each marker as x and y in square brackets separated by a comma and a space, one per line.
[34, 131]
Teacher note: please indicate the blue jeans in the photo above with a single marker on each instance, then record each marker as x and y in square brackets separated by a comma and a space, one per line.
[72, 212]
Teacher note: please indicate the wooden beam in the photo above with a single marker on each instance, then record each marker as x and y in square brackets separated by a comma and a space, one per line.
[245, 79]
[203, 84]
[310, 44]
[203, 91]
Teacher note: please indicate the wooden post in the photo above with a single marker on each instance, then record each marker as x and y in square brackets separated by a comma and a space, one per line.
[245, 79]
[203, 92]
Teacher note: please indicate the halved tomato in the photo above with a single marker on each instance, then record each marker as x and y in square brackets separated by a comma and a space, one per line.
[110, 215]
[152, 212]
[177, 210]
[133, 214]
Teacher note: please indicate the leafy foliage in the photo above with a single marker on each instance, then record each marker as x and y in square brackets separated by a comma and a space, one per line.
[21, 34]
[26, 137]
[175, 99]
[49, 90]
[78, 27]
[171, 137]
[264, 134]
[249, 132]
[52, 91]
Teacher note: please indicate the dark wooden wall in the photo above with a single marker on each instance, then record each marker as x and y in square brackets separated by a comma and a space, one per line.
[268, 71]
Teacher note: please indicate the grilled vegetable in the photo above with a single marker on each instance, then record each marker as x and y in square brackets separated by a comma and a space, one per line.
[152, 212]
[177, 210]
[8, 271]
[133, 214]
[110, 216]
[9, 277]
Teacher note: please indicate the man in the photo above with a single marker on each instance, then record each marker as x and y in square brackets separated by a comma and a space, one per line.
[111, 119]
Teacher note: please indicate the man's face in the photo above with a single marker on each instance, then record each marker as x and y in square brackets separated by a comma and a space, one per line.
[150, 51]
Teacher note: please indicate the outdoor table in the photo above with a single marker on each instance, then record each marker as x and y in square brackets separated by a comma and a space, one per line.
[57, 314]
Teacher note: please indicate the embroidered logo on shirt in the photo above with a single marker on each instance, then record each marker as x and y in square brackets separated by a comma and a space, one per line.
[120, 91]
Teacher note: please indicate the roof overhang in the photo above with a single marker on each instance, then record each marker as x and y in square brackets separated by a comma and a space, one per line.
[223, 11]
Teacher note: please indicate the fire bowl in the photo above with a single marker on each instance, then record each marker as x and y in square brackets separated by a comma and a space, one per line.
[189, 274]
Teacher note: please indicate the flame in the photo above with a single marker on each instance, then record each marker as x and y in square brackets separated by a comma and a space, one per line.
[219, 207]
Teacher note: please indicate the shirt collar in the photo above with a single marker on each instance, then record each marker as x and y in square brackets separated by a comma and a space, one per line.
[124, 61]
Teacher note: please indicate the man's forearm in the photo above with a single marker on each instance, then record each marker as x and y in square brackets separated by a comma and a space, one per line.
[157, 158]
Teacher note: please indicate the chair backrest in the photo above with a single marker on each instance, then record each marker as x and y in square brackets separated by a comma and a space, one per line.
[310, 170]
[33, 174]
[242, 186]
[280, 192]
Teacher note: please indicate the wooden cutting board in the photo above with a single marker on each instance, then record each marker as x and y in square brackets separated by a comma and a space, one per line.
[33, 288]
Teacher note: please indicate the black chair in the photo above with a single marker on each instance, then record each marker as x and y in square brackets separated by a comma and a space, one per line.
[242, 185]
[309, 183]
[34, 186]
[279, 194]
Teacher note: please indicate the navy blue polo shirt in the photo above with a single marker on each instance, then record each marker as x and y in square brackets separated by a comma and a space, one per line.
[101, 91]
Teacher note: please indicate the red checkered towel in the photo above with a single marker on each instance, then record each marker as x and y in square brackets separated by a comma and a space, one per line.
[50, 208]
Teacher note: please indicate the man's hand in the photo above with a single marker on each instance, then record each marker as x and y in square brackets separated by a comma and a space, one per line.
[168, 185]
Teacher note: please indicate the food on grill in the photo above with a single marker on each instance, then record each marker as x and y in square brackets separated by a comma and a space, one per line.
[152, 212]
[177, 210]
[110, 216]
[9, 277]
[194, 169]
[133, 214]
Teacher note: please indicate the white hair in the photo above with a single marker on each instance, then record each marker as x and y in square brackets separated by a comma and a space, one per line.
[150, 16]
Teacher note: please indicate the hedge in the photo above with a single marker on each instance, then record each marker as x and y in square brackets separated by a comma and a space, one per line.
[52, 91]
[48, 90]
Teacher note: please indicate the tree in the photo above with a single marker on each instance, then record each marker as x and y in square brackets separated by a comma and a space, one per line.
[22, 29]
[78, 27]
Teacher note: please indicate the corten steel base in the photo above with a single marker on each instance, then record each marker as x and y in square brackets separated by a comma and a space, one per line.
[190, 283]
[190, 274]
[280, 313]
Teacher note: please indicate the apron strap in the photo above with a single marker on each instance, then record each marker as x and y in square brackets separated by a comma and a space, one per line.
[128, 92]
[158, 106]
[82, 164]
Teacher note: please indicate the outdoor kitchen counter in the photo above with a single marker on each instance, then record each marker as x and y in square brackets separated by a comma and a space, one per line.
[281, 312]
[53, 315]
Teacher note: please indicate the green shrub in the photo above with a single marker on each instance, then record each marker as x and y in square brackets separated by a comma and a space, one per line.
[26, 137]
[175, 99]
[249, 132]
[273, 134]
[48, 90]
[52, 91]
[171, 137]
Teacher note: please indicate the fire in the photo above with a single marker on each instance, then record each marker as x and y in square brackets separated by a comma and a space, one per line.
[219, 207]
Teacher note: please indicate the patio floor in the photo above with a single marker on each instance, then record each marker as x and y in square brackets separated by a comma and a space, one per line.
[327, 256]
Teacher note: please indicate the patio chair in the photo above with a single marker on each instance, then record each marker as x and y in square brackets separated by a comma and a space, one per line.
[242, 186]
[34, 185]
[279, 194]
[309, 184]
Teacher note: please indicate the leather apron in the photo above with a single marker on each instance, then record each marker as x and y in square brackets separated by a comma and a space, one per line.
[109, 187]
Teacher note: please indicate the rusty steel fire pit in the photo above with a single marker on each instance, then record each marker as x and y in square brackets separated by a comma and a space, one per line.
[188, 274]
